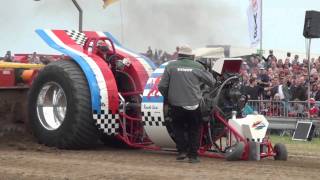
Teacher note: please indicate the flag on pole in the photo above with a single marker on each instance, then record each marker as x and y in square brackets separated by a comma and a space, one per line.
[254, 21]
[108, 2]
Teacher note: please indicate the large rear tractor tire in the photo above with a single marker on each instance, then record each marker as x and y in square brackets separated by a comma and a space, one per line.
[60, 107]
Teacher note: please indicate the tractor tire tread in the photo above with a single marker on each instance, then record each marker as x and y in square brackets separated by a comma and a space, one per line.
[79, 130]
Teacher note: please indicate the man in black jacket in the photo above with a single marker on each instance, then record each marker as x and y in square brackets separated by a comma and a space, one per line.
[299, 91]
[180, 85]
[253, 91]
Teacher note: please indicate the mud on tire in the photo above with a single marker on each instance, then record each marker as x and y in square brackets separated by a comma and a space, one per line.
[76, 128]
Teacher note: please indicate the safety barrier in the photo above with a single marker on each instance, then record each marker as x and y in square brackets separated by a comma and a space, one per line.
[285, 114]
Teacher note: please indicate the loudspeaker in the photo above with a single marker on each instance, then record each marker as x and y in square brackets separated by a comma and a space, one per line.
[312, 24]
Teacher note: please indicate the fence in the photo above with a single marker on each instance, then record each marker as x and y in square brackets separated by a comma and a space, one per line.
[284, 115]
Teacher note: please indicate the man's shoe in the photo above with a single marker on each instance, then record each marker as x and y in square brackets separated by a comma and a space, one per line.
[194, 159]
[181, 156]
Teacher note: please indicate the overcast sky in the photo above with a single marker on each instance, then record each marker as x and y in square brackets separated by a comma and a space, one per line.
[159, 23]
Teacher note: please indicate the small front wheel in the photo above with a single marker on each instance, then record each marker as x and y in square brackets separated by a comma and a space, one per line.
[281, 152]
[234, 153]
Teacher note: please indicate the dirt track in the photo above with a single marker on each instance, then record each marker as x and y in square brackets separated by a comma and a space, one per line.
[22, 158]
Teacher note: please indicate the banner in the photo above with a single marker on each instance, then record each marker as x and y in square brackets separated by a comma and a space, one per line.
[254, 21]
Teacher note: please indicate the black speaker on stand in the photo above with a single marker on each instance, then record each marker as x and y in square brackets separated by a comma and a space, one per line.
[311, 30]
[312, 25]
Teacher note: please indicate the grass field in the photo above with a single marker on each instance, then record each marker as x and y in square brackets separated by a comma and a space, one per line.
[298, 146]
[288, 140]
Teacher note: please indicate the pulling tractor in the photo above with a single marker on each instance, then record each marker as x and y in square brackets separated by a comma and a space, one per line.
[104, 92]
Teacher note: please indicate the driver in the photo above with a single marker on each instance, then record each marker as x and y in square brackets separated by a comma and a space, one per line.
[103, 49]
[180, 86]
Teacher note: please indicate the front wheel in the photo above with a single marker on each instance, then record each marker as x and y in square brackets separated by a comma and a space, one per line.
[281, 152]
[234, 153]
[60, 107]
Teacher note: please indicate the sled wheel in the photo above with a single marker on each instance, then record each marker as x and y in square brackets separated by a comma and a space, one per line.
[60, 107]
[281, 152]
[234, 152]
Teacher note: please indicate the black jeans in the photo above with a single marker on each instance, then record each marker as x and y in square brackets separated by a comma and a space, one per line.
[186, 128]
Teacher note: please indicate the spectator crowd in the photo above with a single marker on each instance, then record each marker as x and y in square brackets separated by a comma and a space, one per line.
[159, 56]
[282, 80]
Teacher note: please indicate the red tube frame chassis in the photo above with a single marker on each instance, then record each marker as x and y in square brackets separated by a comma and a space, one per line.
[129, 138]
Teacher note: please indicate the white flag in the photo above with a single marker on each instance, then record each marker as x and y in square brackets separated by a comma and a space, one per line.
[254, 21]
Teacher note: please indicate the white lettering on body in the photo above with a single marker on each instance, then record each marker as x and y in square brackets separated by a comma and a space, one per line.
[184, 69]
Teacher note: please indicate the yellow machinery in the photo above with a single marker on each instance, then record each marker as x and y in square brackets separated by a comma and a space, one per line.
[13, 65]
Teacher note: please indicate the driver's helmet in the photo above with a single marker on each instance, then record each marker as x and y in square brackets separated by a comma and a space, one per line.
[102, 46]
